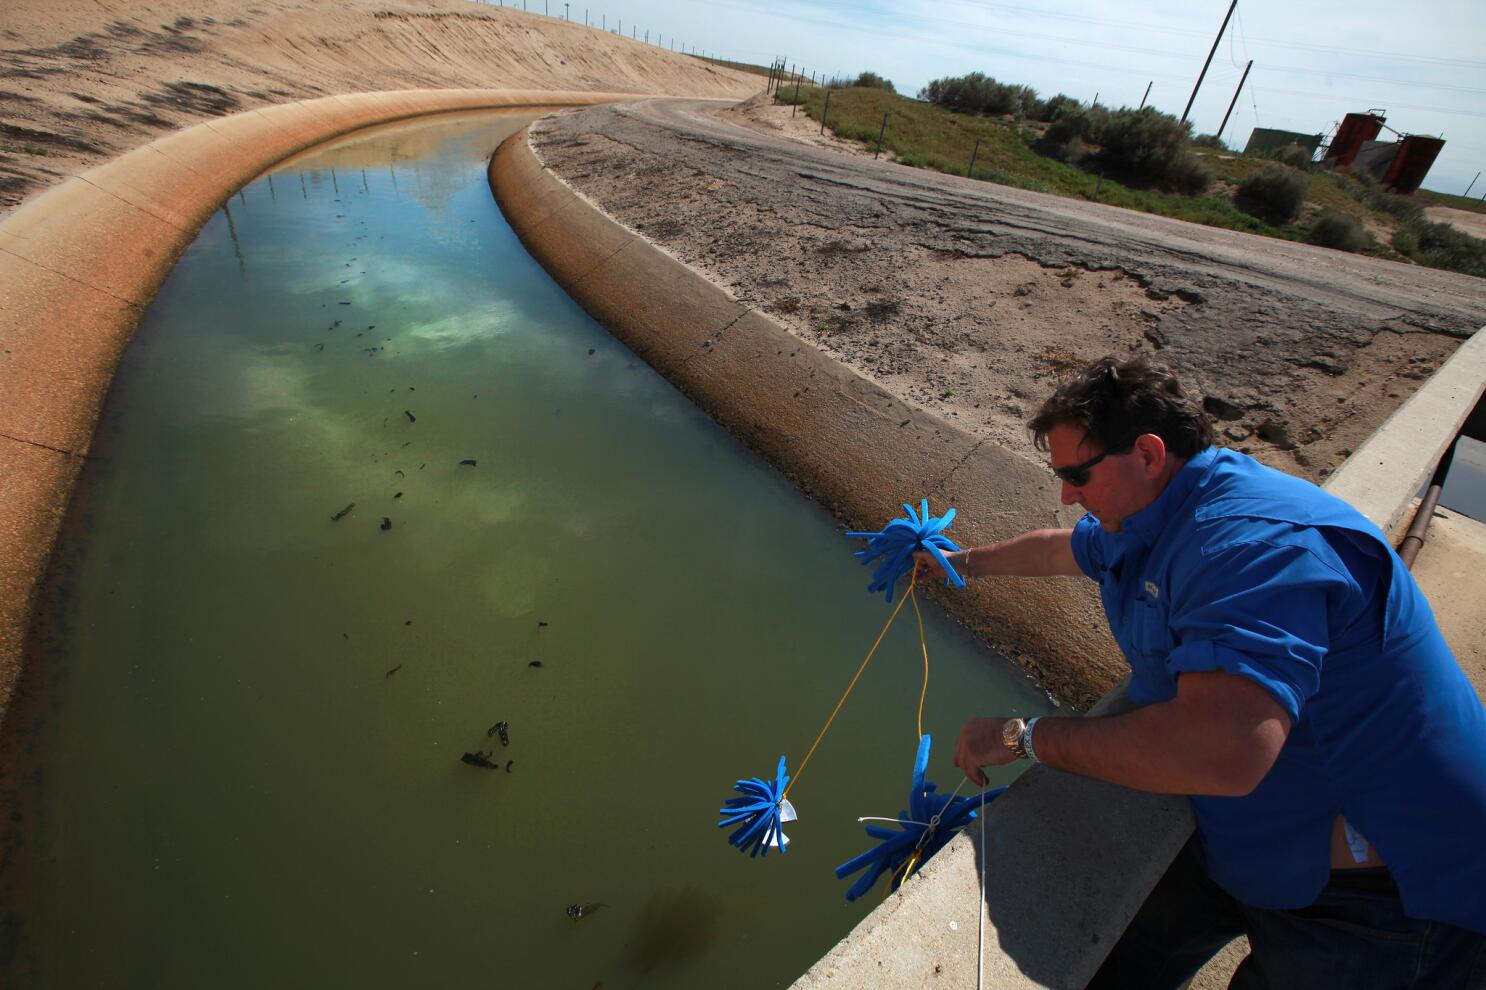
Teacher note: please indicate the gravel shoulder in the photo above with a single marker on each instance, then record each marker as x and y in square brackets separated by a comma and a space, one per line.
[972, 300]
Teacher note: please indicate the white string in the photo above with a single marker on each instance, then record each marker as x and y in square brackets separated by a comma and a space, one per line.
[980, 935]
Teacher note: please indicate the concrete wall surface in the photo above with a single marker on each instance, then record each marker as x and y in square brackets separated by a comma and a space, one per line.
[79, 264]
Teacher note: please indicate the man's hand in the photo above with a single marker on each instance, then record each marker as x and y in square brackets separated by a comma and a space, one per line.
[929, 569]
[979, 746]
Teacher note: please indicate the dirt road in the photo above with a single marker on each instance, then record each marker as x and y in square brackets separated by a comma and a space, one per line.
[972, 299]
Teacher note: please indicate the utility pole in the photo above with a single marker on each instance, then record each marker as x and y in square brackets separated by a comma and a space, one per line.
[1209, 61]
[1468, 188]
[564, 11]
[1234, 103]
[1147, 95]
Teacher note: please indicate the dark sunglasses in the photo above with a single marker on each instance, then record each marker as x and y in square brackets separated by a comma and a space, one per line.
[1077, 475]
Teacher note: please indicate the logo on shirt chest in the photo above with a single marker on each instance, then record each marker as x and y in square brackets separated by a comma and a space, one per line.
[1153, 590]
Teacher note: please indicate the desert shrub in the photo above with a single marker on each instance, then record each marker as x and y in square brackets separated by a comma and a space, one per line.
[1153, 146]
[1337, 230]
[871, 80]
[1028, 103]
[1274, 193]
[1294, 156]
[1071, 150]
[1051, 108]
[973, 93]
[1399, 207]
[1210, 141]
[1440, 245]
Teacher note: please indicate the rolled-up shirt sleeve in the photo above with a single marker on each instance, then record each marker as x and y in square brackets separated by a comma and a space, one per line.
[1088, 550]
[1264, 617]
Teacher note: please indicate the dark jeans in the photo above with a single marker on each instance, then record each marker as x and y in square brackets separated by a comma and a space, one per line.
[1355, 936]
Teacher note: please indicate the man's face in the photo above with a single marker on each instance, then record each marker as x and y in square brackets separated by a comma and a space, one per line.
[1117, 487]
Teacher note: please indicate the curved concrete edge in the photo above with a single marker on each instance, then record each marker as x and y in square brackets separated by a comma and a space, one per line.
[79, 264]
[1383, 476]
[842, 438]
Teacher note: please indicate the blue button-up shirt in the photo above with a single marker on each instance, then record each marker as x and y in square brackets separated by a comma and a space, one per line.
[1240, 568]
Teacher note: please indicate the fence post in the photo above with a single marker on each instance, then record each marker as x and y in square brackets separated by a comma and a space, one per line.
[880, 132]
[971, 173]
[826, 112]
[797, 97]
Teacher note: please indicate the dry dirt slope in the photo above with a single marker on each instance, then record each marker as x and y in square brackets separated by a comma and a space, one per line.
[81, 82]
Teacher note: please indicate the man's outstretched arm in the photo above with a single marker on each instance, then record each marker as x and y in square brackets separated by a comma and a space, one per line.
[1040, 553]
[1218, 736]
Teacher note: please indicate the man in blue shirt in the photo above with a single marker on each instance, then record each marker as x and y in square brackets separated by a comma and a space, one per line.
[1289, 677]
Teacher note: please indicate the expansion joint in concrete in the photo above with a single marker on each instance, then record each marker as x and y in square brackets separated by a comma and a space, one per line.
[715, 338]
[73, 278]
[44, 446]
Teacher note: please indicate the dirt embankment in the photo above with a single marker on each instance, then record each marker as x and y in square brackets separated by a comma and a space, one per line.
[81, 82]
[972, 299]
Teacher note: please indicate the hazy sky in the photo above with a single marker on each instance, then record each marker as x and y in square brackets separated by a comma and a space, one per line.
[1314, 60]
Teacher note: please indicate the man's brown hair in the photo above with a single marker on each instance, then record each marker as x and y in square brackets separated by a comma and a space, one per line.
[1116, 401]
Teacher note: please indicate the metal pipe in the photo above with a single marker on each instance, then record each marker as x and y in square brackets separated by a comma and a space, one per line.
[1409, 548]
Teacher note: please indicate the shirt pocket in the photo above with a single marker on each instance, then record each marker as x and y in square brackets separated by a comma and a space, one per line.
[1150, 630]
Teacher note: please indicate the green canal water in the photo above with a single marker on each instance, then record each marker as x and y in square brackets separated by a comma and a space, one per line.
[246, 770]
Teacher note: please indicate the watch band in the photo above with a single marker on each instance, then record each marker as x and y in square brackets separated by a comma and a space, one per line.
[1027, 740]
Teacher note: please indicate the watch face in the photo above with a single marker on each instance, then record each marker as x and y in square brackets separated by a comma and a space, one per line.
[1011, 733]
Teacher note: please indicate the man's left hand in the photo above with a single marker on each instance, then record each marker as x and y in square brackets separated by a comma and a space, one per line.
[979, 746]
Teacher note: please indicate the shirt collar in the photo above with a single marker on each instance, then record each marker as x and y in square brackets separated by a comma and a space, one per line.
[1145, 525]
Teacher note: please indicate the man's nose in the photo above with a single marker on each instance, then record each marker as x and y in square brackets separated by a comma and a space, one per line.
[1070, 494]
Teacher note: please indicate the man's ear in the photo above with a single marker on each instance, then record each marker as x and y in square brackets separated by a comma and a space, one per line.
[1151, 450]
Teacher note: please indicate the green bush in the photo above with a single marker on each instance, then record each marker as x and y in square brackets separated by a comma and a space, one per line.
[1294, 156]
[1152, 146]
[871, 80]
[1050, 109]
[1440, 245]
[1334, 229]
[974, 93]
[1274, 193]
[1211, 141]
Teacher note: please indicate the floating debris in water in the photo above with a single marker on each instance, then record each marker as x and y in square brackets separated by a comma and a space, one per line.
[577, 911]
[407, 622]
[343, 513]
[480, 760]
[467, 462]
[410, 416]
[393, 671]
[541, 624]
[398, 495]
[508, 765]
[399, 473]
[386, 524]
[534, 663]
[500, 729]
[591, 350]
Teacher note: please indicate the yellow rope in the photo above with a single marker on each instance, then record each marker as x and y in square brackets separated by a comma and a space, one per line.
[901, 602]
[923, 645]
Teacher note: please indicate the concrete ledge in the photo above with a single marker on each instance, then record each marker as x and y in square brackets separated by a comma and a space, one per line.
[1067, 862]
[840, 437]
[1382, 477]
[79, 263]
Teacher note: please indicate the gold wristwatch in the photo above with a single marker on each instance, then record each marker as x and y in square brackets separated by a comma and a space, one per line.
[1011, 737]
